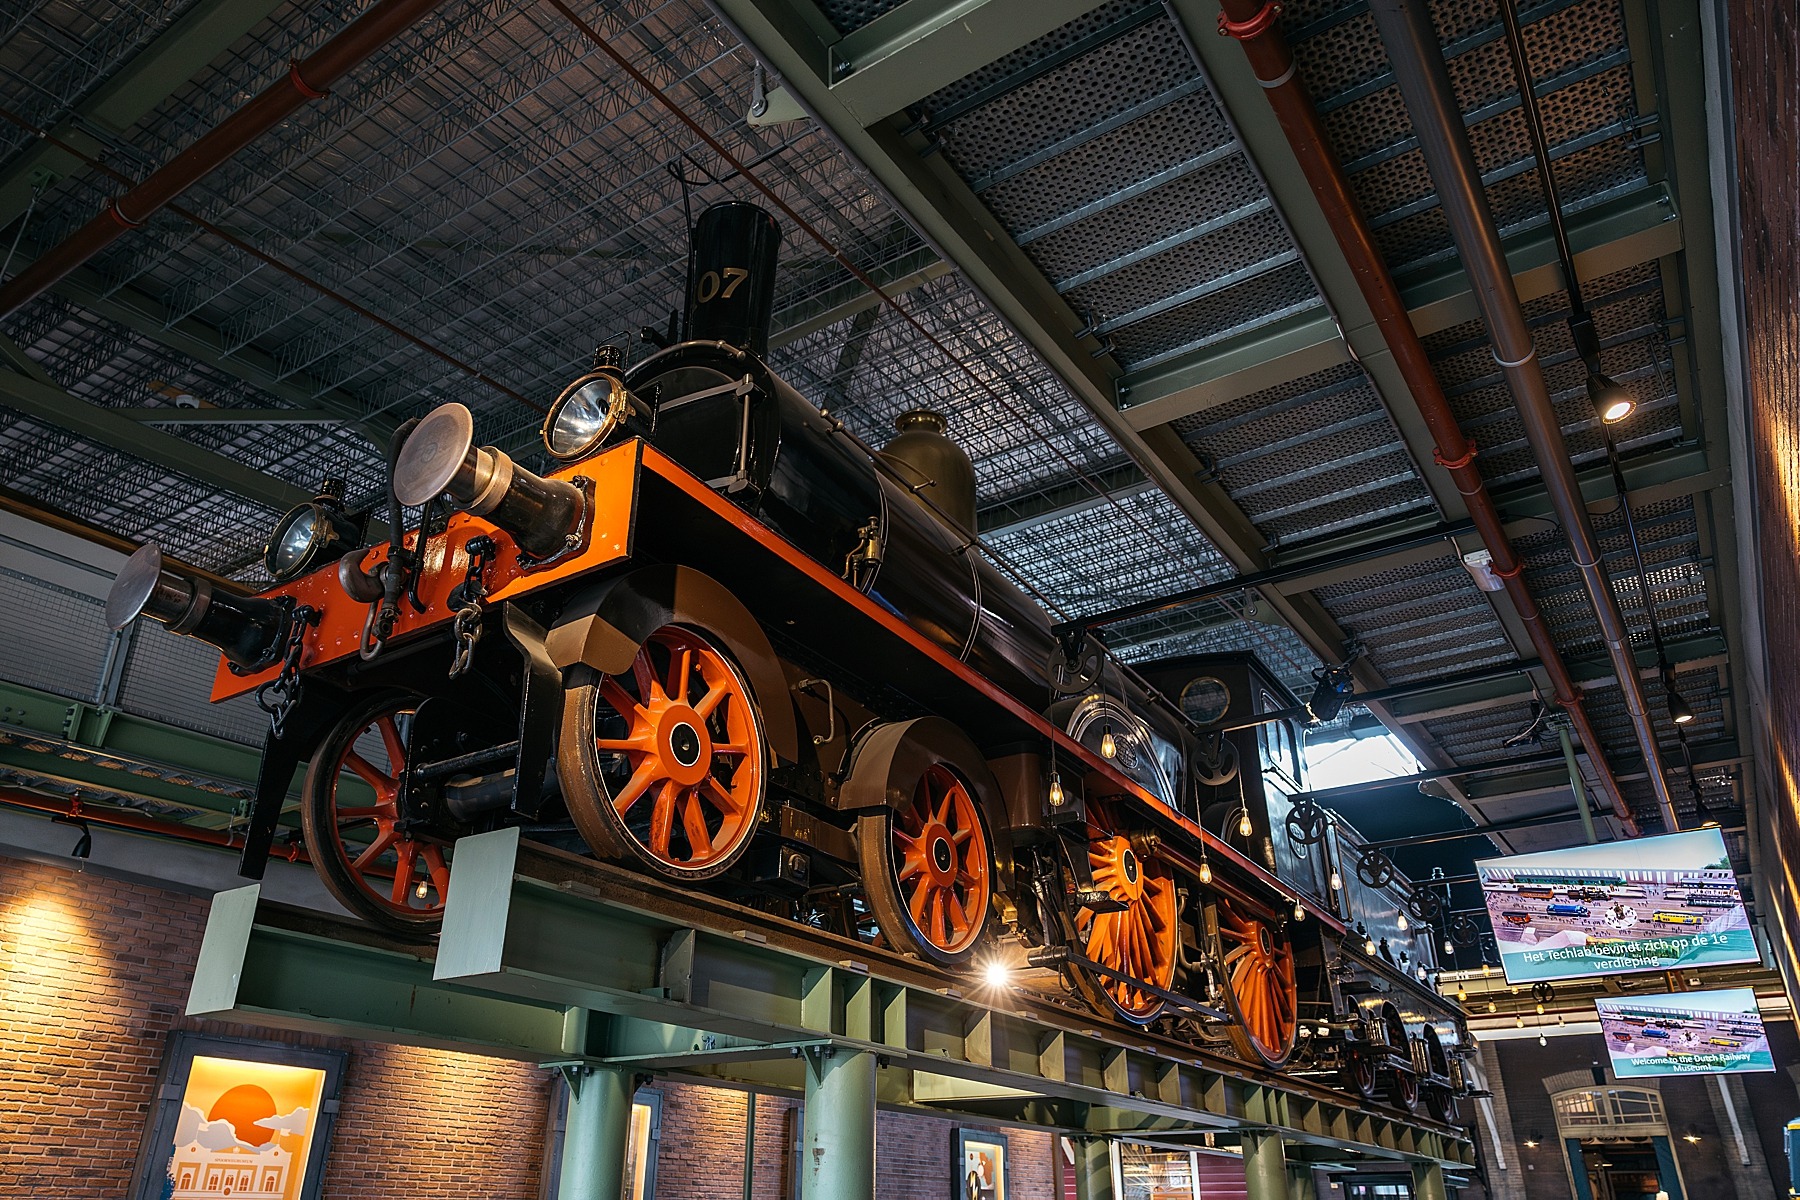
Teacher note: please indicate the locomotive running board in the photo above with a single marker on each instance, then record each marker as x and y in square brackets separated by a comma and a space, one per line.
[578, 961]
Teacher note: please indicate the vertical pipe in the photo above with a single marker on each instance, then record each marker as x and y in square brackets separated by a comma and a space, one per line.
[1093, 1168]
[1581, 804]
[594, 1136]
[749, 1145]
[1412, 44]
[1737, 1128]
[1428, 1181]
[1265, 1167]
[837, 1150]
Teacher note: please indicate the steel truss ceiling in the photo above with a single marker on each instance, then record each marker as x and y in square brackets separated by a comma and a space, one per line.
[1149, 341]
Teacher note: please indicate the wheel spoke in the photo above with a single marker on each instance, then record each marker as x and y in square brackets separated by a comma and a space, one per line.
[711, 701]
[405, 854]
[662, 820]
[693, 823]
[359, 814]
[622, 702]
[375, 849]
[439, 870]
[370, 774]
[642, 778]
[722, 798]
[395, 744]
[681, 664]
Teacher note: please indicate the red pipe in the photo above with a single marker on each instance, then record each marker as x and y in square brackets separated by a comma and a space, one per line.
[1253, 24]
[306, 80]
[113, 818]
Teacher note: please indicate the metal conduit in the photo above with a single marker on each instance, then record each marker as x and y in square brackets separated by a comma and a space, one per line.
[1253, 24]
[307, 79]
[1412, 45]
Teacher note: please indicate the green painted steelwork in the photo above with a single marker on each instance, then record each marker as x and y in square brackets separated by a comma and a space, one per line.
[595, 1134]
[837, 1144]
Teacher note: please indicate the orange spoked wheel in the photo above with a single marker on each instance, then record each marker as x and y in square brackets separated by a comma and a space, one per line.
[1137, 944]
[666, 762]
[1359, 1075]
[1259, 984]
[927, 868]
[376, 858]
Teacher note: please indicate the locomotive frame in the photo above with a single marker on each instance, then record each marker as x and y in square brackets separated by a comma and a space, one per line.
[713, 677]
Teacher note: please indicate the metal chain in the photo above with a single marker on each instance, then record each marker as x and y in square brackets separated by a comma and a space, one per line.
[466, 599]
[279, 696]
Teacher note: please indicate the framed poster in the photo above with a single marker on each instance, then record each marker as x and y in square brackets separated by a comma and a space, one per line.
[239, 1117]
[980, 1165]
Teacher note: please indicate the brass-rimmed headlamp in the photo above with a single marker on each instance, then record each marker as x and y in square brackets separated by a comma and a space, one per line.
[589, 411]
[312, 534]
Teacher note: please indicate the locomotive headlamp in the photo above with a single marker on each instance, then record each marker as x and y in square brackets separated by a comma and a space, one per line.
[312, 534]
[440, 458]
[589, 411]
[247, 630]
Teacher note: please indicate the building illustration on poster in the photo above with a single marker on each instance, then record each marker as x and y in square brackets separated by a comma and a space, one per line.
[1653, 904]
[245, 1130]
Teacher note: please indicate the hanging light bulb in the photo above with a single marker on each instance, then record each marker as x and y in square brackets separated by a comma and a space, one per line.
[423, 890]
[1402, 922]
[1486, 970]
[1462, 993]
[1559, 1019]
[1449, 948]
[1299, 910]
[1337, 882]
[1245, 829]
[1205, 871]
[1420, 972]
[1519, 1021]
[1540, 1009]
[1057, 796]
[1368, 945]
[1109, 748]
[1542, 1040]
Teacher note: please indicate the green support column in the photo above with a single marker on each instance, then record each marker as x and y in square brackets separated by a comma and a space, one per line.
[1300, 1184]
[594, 1136]
[838, 1149]
[1428, 1181]
[1265, 1167]
[1093, 1169]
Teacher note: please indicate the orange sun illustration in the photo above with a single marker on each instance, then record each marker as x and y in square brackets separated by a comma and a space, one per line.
[245, 1105]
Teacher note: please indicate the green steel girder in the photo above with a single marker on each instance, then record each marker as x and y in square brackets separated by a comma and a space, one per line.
[130, 93]
[87, 744]
[1637, 228]
[35, 395]
[605, 973]
[1499, 787]
[846, 300]
[231, 416]
[909, 52]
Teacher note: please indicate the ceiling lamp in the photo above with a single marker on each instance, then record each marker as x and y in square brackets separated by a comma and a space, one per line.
[1680, 711]
[1612, 400]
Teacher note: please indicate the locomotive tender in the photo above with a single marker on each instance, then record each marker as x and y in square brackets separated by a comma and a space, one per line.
[725, 643]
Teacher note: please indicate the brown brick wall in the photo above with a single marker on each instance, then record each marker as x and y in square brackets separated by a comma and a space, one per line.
[94, 975]
[1765, 66]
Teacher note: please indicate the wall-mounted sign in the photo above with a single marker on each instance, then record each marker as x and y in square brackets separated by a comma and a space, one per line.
[980, 1165]
[1684, 1033]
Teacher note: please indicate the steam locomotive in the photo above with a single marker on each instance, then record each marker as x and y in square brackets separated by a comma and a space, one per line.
[726, 643]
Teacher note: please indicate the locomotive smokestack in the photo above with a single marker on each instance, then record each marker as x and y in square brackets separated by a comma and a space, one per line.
[934, 465]
[731, 276]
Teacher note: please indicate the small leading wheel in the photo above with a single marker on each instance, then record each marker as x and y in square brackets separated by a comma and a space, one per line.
[1359, 1075]
[1259, 984]
[1443, 1104]
[927, 867]
[1141, 941]
[666, 763]
[369, 855]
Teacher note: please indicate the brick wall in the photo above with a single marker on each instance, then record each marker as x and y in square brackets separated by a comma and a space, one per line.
[94, 975]
[1764, 44]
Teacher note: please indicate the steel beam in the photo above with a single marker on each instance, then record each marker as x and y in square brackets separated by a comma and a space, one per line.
[911, 51]
[1000, 518]
[41, 399]
[231, 416]
[815, 313]
[595, 1134]
[1634, 229]
[129, 94]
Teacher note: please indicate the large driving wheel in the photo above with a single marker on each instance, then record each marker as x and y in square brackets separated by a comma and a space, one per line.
[1141, 941]
[666, 763]
[1259, 984]
[927, 868]
[1359, 1075]
[369, 854]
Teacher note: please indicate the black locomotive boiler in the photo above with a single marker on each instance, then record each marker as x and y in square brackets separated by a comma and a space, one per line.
[723, 642]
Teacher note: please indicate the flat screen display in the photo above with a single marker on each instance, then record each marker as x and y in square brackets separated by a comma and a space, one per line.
[1684, 1033]
[1651, 904]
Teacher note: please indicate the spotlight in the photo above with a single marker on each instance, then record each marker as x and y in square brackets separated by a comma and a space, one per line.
[440, 457]
[998, 975]
[1109, 748]
[312, 534]
[249, 631]
[1680, 711]
[1533, 1140]
[1245, 829]
[1333, 689]
[590, 410]
[1058, 797]
[1611, 400]
[1692, 1136]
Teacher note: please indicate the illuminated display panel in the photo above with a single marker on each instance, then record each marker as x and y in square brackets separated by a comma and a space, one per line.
[1651, 904]
[245, 1130]
[1685, 1033]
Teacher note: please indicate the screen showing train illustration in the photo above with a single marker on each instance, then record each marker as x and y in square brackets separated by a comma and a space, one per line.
[1652, 904]
[1684, 1033]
